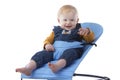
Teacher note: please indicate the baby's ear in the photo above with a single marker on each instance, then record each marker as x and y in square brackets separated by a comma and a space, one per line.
[77, 20]
[58, 20]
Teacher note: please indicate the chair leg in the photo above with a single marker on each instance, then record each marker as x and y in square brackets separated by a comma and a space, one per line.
[94, 76]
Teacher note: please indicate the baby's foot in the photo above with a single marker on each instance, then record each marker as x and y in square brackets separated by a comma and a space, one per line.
[53, 67]
[24, 70]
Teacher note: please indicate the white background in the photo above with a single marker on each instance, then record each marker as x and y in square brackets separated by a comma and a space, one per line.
[24, 24]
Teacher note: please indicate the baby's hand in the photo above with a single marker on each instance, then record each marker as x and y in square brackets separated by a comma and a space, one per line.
[83, 31]
[49, 47]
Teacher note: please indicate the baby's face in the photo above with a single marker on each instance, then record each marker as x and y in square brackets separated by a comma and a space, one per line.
[68, 21]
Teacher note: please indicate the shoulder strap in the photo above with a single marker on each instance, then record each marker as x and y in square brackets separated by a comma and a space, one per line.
[78, 25]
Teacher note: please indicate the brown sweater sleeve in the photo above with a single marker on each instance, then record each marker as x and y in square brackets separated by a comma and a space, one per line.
[49, 39]
[90, 37]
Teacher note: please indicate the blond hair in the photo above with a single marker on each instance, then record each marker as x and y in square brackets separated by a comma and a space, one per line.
[66, 9]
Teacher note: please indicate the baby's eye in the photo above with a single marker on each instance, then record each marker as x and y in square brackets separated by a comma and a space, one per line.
[71, 19]
[65, 19]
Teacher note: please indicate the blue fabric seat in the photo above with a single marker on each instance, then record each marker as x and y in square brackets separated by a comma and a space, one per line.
[66, 73]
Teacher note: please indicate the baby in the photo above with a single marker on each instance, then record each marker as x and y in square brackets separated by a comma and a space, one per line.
[63, 44]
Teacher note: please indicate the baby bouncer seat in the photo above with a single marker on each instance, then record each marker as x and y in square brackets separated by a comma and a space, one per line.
[68, 72]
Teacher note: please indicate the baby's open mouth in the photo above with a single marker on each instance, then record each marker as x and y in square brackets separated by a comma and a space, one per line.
[68, 26]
